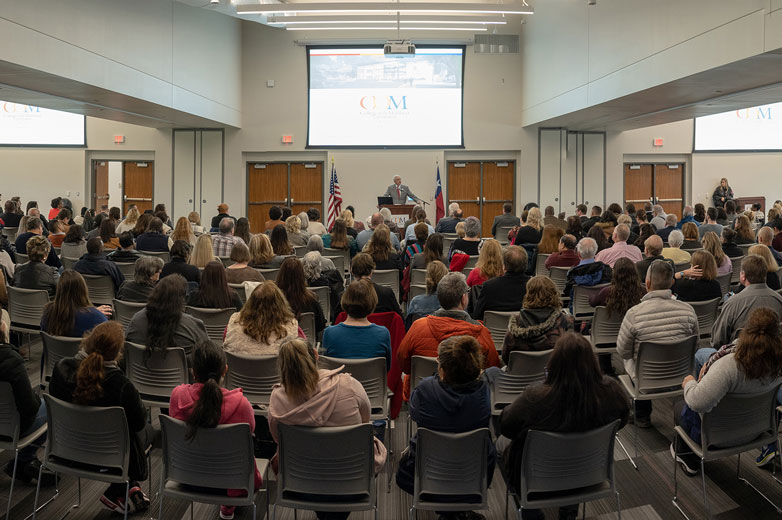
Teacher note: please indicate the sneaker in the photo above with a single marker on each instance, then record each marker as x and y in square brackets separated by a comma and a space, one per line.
[227, 512]
[138, 500]
[767, 455]
[643, 422]
[113, 504]
[683, 461]
[28, 472]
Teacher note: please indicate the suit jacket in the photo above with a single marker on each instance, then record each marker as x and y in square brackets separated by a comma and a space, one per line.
[504, 220]
[503, 293]
[391, 191]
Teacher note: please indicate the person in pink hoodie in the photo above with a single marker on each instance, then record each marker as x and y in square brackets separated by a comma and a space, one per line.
[205, 404]
[312, 397]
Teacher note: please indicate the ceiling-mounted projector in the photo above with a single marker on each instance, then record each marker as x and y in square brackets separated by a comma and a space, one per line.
[399, 48]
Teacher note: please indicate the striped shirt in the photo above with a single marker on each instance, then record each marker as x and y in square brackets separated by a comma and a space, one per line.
[223, 244]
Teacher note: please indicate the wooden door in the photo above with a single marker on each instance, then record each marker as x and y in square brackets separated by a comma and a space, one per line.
[464, 187]
[497, 190]
[267, 186]
[639, 184]
[100, 192]
[669, 187]
[138, 181]
[306, 188]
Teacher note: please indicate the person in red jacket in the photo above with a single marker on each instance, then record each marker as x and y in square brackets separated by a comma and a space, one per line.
[205, 404]
[451, 319]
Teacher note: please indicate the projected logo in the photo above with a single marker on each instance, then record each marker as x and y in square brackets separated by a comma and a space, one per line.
[755, 113]
[383, 107]
[15, 108]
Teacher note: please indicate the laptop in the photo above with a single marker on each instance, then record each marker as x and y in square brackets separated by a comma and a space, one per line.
[384, 200]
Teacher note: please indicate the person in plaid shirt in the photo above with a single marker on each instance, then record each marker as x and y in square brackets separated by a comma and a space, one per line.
[225, 241]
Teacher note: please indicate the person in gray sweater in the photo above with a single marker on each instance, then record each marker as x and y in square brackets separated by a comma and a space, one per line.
[738, 307]
[751, 364]
[659, 317]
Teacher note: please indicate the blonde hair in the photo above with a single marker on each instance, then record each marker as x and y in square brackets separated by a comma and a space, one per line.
[203, 252]
[347, 215]
[260, 249]
[293, 225]
[460, 229]
[298, 372]
[490, 260]
[534, 218]
[194, 218]
[434, 273]
[132, 216]
[711, 243]
[183, 231]
[765, 253]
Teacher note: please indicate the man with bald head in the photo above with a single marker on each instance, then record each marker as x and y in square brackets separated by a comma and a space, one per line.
[766, 237]
[620, 249]
[365, 235]
[653, 250]
[399, 192]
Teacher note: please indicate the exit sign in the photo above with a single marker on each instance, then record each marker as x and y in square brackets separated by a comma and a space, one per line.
[657, 142]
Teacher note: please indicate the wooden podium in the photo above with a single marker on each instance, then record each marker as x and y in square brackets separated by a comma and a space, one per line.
[742, 202]
[398, 209]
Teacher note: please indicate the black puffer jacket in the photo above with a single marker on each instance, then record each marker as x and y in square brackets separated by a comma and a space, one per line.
[535, 330]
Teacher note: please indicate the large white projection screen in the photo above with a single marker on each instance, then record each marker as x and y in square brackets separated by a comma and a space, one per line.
[359, 97]
[748, 129]
[27, 125]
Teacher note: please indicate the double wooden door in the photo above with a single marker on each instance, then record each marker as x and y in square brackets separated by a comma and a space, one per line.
[295, 184]
[661, 184]
[138, 185]
[481, 188]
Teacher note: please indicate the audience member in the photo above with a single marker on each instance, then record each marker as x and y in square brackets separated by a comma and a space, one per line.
[711, 243]
[242, 229]
[317, 277]
[625, 291]
[607, 222]
[489, 263]
[146, 274]
[700, 213]
[222, 213]
[362, 267]
[10, 217]
[153, 239]
[315, 227]
[658, 217]
[410, 230]
[34, 227]
[416, 246]
[95, 263]
[653, 248]
[73, 244]
[589, 271]
[699, 282]
[347, 216]
[182, 231]
[293, 227]
[549, 219]
[56, 207]
[530, 232]
[777, 242]
[743, 229]
[722, 217]
[692, 239]
[594, 218]
[658, 317]
[275, 219]
[729, 246]
[340, 237]
[433, 250]
[574, 228]
[126, 252]
[772, 276]
[711, 224]
[730, 211]
[549, 241]
[674, 250]
[670, 225]
[363, 238]
[581, 213]
[293, 284]
[56, 234]
[460, 233]
[239, 272]
[507, 220]
[470, 244]
[448, 223]
[382, 252]
[765, 237]
[180, 256]
[597, 234]
[279, 241]
[425, 304]
[195, 222]
[141, 224]
[131, 217]
[506, 292]
[261, 253]
[566, 253]
[315, 243]
[620, 249]
[35, 274]
[223, 242]
[71, 313]
[213, 291]
[264, 322]
[688, 215]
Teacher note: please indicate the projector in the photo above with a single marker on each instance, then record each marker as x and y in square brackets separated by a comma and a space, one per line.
[399, 48]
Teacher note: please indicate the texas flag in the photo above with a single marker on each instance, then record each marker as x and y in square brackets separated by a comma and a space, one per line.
[438, 198]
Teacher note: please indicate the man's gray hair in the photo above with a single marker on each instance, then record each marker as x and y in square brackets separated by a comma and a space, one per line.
[375, 220]
[305, 220]
[659, 275]
[622, 232]
[671, 219]
[386, 214]
[397, 177]
[472, 227]
[311, 265]
[315, 243]
[688, 211]
[676, 238]
[227, 225]
[453, 207]
[624, 219]
[657, 210]
[587, 248]
[450, 290]
[145, 268]
[34, 223]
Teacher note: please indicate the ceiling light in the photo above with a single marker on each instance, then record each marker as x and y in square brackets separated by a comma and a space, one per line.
[416, 18]
[473, 29]
[382, 7]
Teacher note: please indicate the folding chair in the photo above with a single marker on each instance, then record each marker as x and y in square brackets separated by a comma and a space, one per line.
[9, 232]
[128, 269]
[155, 374]
[706, 311]
[255, 375]
[215, 321]
[338, 261]
[21, 259]
[240, 290]
[582, 311]
[100, 289]
[55, 348]
[547, 482]
[735, 275]
[163, 255]
[540, 265]
[745, 248]
[417, 276]
[344, 253]
[307, 324]
[739, 423]
[559, 277]
[388, 278]
[724, 281]
[25, 308]
[450, 466]
[497, 323]
[659, 370]
[215, 459]
[472, 262]
[326, 469]
[324, 298]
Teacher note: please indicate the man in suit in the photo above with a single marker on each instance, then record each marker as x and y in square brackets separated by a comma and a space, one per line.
[399, 192]
[507, 219]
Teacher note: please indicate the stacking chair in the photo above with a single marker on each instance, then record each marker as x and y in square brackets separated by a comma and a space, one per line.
[540, 265]
[739, 423]
[240, 290]
[559, 277]
[55, 348]
[324, 298]
[388, 278]
[215, 321]
[326, 469]
[472, 262]
[659, 371]
[501, 235]
[87, 442]
[124, 311]
[344, 253]
[448, 240]
[582, 311]
[497, 323]
[683, 266]
[339, 263]
[156, 374]
[416, 290]
[9, 436]
[605, 329]
[21, 259]
[420, 367]
[25, 307]
[307, 324]
[57, 250]
[530, 366]
[508, 386]
[163, 255]
[300, 251]
[724, 281]
[706, 312]
[100, 289]
[449, 465]
[735, 275]
[67, 263]
[417, 276]
[269, 274]
[9, 232]
[226, 260]
[744, 248]
[255, 375]
[548, 482]
[128, 269]
[215, 459]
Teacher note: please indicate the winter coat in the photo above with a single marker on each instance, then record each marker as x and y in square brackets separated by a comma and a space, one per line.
[535, 330]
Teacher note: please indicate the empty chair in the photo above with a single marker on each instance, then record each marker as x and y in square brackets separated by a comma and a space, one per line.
[55, 348]
[324, 298]
[100, 288]
[416, 290]
[240, 290]
[21, 259]
[735, 274]
[214, 460]
[497, 323]
[215, 321]
[67, 263]
[449, 466]
[25, 307]
[547, 482]
[417, 276]
[344, 253]
[605, 330]
[388, 278]
[255, 375]
[124, 311]
[724, 280]
[128, 269]
[582, 311]
[307, 324]
[155, 374]
[326, 469]
[706, 312]
[540, 265]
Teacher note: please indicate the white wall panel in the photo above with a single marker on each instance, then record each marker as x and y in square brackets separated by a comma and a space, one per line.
[184, 173]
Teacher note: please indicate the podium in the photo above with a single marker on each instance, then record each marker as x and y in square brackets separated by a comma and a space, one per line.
[398, 209]
[743, 202]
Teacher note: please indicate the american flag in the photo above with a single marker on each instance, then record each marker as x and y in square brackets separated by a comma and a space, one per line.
[335, 198]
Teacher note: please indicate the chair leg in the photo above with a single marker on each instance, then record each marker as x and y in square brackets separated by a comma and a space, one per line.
[412, 512]
[507, 497]
[254, 511]
[37, 491]
[618, 507]
[705, 499]
[127, 492]
[635, 430]
[11, 492]
[621, 445]
[584, 512]
[191, 510]
[390, 460]
[274, 511]
[748, 483]
[675, 500]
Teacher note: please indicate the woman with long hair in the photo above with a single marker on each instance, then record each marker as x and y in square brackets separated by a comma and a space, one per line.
[625, 291]
[213, 291]
[339, 238]
[743, 229]
[382, 251]
[163, 324]
[203, 252]
[262, 324]
[541, 321]
[142, 223]
[74, 245]
[599, 236]
[242, 229]
[239, 271]
[205, 403]
[490, 264]
[350, 223]
[700, 213]
[425, 304]
[549, 240]
[279, 241]
[644, 232]
[108, 234]
[574, 397]
[71, 313]
[711, 243]
[293, 284]
[691, 238]
[146, 273]
[182, 231]
[93, 378]
[699, 282]
[293, 228]
[261, 253]
[530, 231]
[433, 250]
[574, 228]
[772, 277]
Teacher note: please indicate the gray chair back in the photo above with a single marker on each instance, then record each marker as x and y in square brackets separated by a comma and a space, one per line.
[448, 240]
[472, 262]
[128, 269]
[21, 259]
[67, 263]
[662, 365]
[416, 290]
[55, 348]
[387, 278]
[25, 307]
[706, 311]
[87, 435]
[506, 388]
[100, 289]
[417, 276]
[745, 248]
[328, 468]
[738, 419]
[226, 260]
[582, 311]
[605, 328]
[255, 375]
[735, 275]
[529, 366]
[124, 311]
[724, 281]
[240, 290]
[682, 266]
[421, 367]
[448, 464]
[324, 299]
[339, 263]
[157, 373]
[559, 277]
[9, 418]
[543, 473]
[344, 253]
[540, 265]
[300, 251]
[497, 323]
[9, 232]
[269, 274]
[163, 255]
[371, 373]
[501, 234]
[221, 457]
[215, 320]
[307, 324]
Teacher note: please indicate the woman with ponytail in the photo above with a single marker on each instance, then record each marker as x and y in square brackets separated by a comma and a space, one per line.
[93, 378]
[205, 404]
[311, 397]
